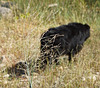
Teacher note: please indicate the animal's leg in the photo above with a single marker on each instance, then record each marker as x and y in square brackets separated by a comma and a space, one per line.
[69, 58]
[56, 61]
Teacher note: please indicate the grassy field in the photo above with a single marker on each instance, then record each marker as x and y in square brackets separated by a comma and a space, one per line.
[20, 40]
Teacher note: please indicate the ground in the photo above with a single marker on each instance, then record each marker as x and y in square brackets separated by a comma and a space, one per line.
[20, 40]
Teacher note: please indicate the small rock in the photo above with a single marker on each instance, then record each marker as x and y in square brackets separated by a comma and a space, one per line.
[6, 12]
[6, 76]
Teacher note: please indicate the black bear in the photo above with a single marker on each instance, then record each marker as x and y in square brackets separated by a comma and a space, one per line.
[63, 40]
[58, 41]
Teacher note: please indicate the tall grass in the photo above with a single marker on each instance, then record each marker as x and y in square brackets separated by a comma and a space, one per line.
[66, 10]
[20, 40]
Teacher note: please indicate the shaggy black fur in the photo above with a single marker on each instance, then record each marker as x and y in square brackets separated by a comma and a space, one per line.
[63, 40]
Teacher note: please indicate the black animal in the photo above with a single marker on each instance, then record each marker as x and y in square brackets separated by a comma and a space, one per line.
[58, 41]
[63, 40]
[18, 69]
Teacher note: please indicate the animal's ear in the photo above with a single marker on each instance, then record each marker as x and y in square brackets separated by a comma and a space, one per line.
[87, 26]
[47, 33]
[52, 30]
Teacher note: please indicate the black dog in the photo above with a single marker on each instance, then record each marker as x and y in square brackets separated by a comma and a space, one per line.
[63, 40]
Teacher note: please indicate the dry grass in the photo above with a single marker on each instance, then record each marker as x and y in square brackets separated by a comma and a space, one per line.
[20, 40]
